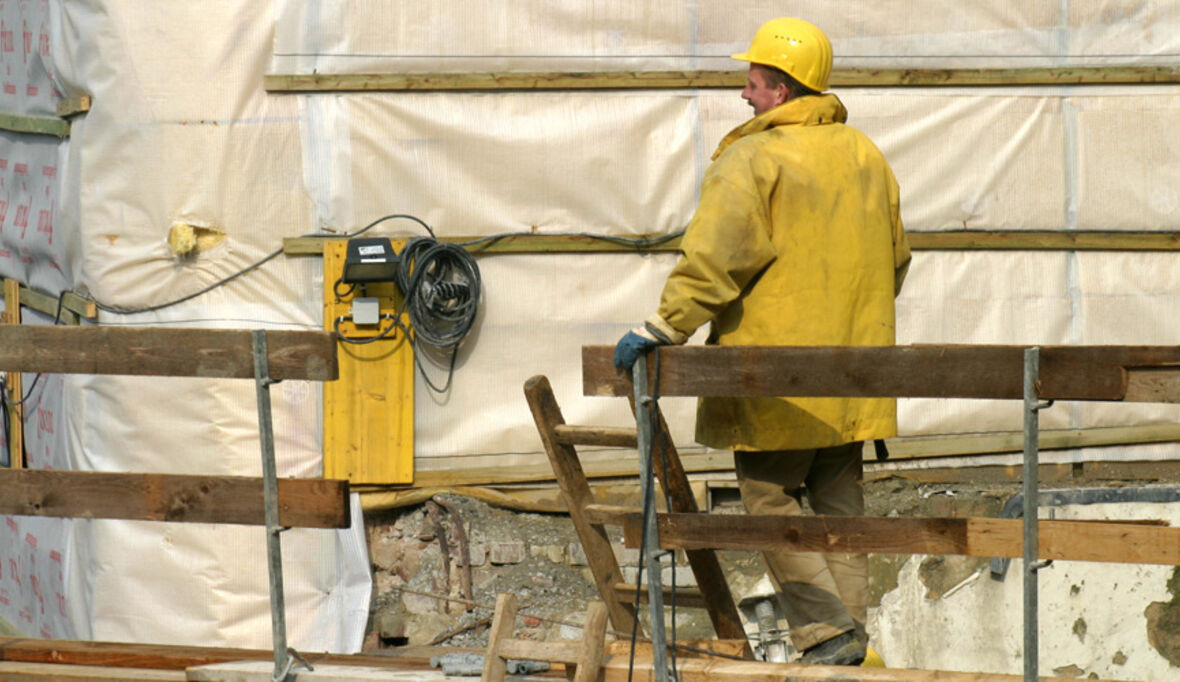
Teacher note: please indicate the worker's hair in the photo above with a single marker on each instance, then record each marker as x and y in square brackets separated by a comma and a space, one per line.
[776, 77]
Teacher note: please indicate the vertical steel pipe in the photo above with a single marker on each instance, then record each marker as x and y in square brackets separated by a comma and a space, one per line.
[270, 497]
[1032, 407]
[644, 417]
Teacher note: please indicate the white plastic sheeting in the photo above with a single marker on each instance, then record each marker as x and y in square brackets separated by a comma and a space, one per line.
[181, 130]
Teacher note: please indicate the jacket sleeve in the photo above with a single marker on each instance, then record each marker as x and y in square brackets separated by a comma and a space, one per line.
[725, 246]
[901, 245]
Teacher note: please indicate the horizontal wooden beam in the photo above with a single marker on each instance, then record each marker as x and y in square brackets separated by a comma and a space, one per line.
[1127, 373]
[14, 671]
[174, 657]
[623, 668]
[687, 597]
[72, 305]
[305, 503]
[702, 79]
[521, 243]
[949, 240]
[156, 351]
[1106, 541]
[35, 125]
[1043, 240]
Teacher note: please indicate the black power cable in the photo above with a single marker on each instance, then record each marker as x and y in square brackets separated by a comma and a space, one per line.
[440, 282]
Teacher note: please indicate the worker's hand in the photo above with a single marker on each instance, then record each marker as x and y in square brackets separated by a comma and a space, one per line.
[633, 344]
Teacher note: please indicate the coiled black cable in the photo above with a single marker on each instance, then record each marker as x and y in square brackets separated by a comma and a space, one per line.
[442, 285]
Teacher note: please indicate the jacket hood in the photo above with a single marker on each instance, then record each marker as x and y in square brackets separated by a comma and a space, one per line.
[809, 110]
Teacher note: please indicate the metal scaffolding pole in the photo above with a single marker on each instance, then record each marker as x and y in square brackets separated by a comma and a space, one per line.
[270, 498]
[1032, 408]
[644, 416]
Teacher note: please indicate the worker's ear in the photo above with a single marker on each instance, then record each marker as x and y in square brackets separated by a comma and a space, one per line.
[781, 94]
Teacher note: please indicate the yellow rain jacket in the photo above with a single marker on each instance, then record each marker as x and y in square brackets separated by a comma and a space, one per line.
[797, 241]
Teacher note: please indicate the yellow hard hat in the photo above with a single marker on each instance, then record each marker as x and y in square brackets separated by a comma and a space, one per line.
[794, 46]
[872, 659]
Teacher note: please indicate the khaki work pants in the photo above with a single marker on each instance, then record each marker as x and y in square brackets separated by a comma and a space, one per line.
[822, 594]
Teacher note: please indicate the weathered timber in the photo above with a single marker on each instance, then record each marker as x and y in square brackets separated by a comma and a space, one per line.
[586, 654]
[1043, 240]
[519, 243]
[173, 657]
[946, 240]
[35, 125]
[919, 371]
[1106, 541]
[13, 381]
[576, 493]
[310, 503]
[154, 351]
[617, 668]
[597, 435]
[73, 106]
[72, 305]
[647, 80]
[684, 597]
[711, 582]
[919, 447]
[11, 671]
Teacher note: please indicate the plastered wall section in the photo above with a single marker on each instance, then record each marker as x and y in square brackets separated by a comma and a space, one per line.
[1103, 620]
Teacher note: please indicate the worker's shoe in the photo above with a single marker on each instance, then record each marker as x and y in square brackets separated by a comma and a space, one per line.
[845, 649]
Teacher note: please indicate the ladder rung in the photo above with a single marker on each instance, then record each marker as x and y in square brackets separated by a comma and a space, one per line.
[523, 649]
[568, 434]
[688, 597]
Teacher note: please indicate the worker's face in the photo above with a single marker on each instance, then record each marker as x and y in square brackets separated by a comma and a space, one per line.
[759, 94]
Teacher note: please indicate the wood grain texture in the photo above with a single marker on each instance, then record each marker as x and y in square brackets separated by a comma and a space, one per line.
[13, 380]
[35, 125]
[575, 491]
[72, 305]
[173, 657]
[614, 80]
[309, 503]
[1104, 541]
[942, 240]
[73, 106]
[706, 568]
[616, 668]
[154, 351]
[12, 671]
[919, 371]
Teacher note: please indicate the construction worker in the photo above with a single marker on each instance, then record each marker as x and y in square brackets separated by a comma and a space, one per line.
[796, 241]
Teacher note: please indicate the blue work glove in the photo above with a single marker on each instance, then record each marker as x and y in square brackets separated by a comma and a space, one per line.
[633, 344]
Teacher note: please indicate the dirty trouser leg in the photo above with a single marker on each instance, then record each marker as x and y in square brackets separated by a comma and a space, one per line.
[835, 488]
[812, 601]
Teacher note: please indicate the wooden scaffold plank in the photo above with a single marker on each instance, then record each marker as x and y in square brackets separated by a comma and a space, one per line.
[308, 503]
[1115, 373]
[1104, 541]
[647, 80]
[153, 351]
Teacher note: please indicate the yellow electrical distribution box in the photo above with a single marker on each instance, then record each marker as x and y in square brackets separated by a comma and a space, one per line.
[369, 410]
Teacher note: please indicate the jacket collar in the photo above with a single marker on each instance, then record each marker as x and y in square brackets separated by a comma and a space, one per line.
[808, 111]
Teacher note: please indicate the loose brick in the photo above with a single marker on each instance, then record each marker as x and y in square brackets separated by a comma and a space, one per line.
[576, 554]
[500, 553]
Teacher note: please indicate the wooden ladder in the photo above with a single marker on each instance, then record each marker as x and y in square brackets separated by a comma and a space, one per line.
[585, 656]
[560, 440]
